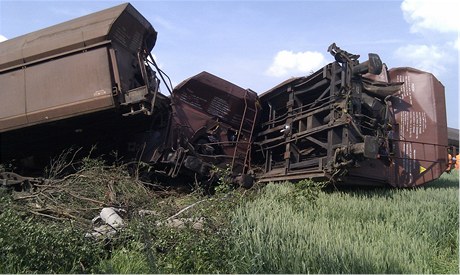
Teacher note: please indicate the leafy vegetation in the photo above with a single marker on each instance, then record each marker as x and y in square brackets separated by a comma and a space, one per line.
[278, 228]
[27, 246]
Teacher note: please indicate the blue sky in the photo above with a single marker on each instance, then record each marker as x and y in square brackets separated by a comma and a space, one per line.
[258, 44]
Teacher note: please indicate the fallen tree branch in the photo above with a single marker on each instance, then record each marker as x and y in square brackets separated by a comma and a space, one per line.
[185, 209]
[26, 197]
[86, 199]
[46, 215]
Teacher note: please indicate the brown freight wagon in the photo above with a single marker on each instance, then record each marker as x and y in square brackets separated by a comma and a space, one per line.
[89, 64]
[210, 127]
[354, 123]
[84, 81]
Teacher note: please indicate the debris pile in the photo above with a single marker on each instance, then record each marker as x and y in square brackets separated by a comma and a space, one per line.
[81, 196]
[101, 200]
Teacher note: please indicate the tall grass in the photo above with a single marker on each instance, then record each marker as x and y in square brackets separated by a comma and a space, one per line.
[351, 231]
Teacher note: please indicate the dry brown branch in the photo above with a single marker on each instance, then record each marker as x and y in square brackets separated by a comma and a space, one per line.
[86, 199]
[46, 215]
[185, 209]
[27, 197]
[49, 198]
[60, 164]
[33, 195]
[66, 214]
[111, 191]
[79, 196]
[85, 209]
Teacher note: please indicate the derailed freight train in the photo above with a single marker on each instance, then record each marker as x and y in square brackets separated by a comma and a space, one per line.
[92, 80]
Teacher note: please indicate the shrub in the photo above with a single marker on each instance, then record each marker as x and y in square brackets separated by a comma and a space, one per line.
[30, 247]
[188, 250]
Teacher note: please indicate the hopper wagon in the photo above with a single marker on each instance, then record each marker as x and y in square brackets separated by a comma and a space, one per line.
[82, 82]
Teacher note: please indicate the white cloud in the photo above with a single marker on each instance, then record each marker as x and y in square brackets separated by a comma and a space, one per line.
[457, 44]
[2, 38]
[290, 63]
[430, 18]
[437, 15]
[423, 57]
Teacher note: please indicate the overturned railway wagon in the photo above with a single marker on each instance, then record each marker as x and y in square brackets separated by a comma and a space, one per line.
[353, 122]
[210, 123]
[93, 63]
[92, 80]
[81, 82]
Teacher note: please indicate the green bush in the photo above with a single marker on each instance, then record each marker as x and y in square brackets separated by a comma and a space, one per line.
[39, 236]
[146, 246]
[189, 250]
[30, 247]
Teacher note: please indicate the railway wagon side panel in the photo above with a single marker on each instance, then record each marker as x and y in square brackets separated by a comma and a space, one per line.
[69, 86]
[421, 134]
[13, 100]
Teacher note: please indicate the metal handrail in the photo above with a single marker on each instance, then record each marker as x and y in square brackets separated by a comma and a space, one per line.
[241, 127]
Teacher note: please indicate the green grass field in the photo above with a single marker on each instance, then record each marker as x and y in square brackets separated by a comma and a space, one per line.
[352, 231]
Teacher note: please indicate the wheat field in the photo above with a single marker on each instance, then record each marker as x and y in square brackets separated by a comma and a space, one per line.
[351, 231]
